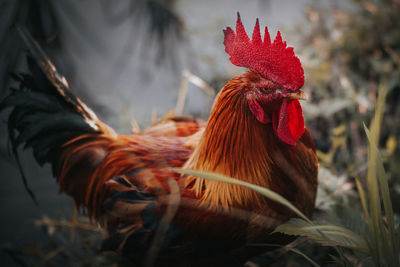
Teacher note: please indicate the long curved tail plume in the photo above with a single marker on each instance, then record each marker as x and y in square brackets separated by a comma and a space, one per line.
[45, 113]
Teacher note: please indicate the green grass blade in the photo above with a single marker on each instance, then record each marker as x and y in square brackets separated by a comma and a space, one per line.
[327, 235]
[383, 242]
[363, 198]
[295, 250]
[390, 244]
[340, 231]
[339, 261]
[388, 235]
[375, 220]
[262, 190]
[292, 249]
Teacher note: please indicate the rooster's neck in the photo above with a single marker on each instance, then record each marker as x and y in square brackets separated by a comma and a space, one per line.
[235, 144]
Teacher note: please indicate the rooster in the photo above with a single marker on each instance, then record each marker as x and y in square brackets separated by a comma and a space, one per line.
[255, 133]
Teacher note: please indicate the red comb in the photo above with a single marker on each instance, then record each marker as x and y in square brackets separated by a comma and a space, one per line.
[274, 61]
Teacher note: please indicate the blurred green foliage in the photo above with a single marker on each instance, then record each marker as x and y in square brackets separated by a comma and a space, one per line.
[347, 52]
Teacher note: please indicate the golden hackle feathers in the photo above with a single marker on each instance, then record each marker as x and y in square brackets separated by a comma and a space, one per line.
[229, 146]
[236, 145]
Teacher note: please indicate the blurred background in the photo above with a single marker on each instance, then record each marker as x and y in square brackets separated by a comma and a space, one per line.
[126, 59]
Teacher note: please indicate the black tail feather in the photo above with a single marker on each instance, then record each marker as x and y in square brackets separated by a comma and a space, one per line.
[45, 113]
[60, 84]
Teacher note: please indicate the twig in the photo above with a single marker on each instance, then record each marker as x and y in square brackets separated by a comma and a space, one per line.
[181, 95]
[64, 223]
[135, 126]
[53, 253]
[154, 115]
[395, 57]
[186, 78]
[73, 223]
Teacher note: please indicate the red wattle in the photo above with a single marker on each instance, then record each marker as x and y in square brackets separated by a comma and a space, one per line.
[288, 122]
[259, 112]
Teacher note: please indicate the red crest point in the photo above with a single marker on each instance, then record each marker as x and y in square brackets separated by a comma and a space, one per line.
[274, 61]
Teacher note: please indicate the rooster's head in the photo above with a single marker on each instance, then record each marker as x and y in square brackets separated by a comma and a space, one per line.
[274, 80]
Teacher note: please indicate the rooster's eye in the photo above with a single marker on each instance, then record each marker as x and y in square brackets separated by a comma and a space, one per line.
[266, 90]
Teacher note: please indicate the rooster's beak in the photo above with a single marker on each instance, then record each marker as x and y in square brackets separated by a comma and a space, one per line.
[300, 95]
